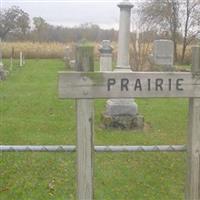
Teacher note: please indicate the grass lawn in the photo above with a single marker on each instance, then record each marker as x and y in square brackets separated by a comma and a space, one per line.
[31, 113]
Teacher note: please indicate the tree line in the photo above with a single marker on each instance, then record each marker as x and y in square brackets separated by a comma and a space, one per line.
[15, 26]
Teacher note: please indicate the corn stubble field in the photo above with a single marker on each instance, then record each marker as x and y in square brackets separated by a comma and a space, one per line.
[31, 113]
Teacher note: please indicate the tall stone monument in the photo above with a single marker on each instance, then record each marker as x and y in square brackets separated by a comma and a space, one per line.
[123, 113]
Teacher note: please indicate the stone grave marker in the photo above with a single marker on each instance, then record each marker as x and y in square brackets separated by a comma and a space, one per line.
[105, 56]
[163, 54]
[123, 113]
[67, 57]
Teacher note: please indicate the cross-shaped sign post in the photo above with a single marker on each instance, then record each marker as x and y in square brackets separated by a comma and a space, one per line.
[85, 86]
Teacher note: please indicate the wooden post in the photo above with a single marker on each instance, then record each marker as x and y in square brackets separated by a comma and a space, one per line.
[11, 58]
[193, 176]
[20, 59]
[84, 62]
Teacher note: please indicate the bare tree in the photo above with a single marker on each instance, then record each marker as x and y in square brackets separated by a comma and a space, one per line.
[163, 15]
[191, 23]
[174, 22]
[141, 39]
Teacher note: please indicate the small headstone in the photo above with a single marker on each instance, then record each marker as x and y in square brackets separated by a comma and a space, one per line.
[72, 64]
[163, 52]
[106, 56]
[67, 57]
[121, 107]
[122, 114]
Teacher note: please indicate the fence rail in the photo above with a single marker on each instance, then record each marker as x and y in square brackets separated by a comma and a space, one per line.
[72, 148]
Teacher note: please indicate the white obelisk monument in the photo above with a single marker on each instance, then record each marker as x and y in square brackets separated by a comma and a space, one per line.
[123, 111]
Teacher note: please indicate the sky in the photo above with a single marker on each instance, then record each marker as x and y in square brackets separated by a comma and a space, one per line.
[70, 12]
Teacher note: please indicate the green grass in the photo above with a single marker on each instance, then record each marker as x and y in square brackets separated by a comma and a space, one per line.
[31, 113]
[183, 67]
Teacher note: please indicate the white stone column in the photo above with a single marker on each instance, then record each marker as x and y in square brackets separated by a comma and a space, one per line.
[123, 112]
[105, 56]
[124, 35]
[123, 106]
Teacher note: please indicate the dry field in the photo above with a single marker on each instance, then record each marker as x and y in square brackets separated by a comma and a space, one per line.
[56, 50]
[34, 49]
[38, 50]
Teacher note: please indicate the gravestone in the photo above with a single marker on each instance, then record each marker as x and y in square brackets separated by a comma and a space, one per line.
[72, 64]
[67, 57]
[163, 54]
[105, 56]
[123, 113]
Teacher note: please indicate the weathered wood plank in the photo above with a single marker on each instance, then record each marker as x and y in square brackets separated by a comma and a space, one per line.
[193, 178]
[128, 85]
[84, 56]
[85, 149]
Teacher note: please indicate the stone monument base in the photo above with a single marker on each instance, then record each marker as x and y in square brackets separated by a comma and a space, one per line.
[135, 122]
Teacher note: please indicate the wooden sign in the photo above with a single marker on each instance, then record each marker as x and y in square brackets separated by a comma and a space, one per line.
[89, 85]
[85, 86]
